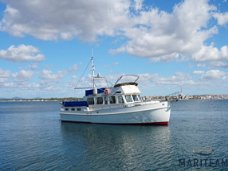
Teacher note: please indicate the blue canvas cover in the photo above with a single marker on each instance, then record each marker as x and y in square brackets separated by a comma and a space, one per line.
[90, 92]
[75, 103]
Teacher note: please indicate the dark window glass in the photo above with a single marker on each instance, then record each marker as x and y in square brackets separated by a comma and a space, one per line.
[120, 99]
[135, 98]
[129, 98]
[112, 99]
[90, 101]
[99, 100]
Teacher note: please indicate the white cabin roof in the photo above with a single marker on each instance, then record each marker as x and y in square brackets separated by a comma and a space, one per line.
[128, 89]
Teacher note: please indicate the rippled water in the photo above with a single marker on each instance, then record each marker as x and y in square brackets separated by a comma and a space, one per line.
[33, 138]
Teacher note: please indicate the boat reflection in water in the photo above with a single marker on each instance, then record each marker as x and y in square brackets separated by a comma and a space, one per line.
[111, 147]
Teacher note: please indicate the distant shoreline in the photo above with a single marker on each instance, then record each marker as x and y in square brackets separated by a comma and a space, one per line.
[171, 98]
[188, 97]
[36, 99]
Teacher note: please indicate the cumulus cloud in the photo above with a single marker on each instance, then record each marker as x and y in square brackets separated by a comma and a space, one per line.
[50, 20]
[137, 5]
[213, 55]
[51, 83]
[4, 76]
[165, 36]
[180, 34]
[198, 72]
[4, 73]
[21, 53]
[31, 80]
[49, 75]
[9, 79]
[148, 32]
[211, 74]
[23, 75]
[222, 18]
[157, 80]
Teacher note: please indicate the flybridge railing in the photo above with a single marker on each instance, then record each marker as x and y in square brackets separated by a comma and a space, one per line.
[122, 77]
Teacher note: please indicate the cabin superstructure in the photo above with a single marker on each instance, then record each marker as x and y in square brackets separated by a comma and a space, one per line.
[120, 94]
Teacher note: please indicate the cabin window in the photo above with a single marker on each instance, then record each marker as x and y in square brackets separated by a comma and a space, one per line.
[79, 109]
[112, 99]
[90, 101]
[72, 109]
[136, 98]
[120, 99]
[99, 100]
[139, 98]
[66, 109]
[129, 98]
[106, 99]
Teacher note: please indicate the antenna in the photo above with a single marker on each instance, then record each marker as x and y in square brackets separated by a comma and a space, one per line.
[91, 64]
[93, 74]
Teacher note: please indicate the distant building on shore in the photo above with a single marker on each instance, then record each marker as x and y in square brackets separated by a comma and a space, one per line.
[186, 97]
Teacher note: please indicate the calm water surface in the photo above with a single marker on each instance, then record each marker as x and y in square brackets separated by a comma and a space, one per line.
[33, 138]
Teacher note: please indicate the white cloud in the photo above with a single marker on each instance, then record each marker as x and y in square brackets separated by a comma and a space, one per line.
[21, 53]
[198, 72]
[4, 76]
[211, 74]
[23, 75]
[166, 36]
[148, 32]
[222, 18]
[50, 83]
[4, 73]
[216, 56]
[50, 20]
[138, 4]
[215, 74]
[179, 79]
[157, 80]
[19, 79]
[48, 75]
[26, 79]
[180, 34]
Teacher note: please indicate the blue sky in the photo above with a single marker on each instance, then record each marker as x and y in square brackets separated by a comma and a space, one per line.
[45, 45]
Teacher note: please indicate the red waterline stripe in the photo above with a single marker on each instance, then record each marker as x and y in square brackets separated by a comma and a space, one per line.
[147, 123]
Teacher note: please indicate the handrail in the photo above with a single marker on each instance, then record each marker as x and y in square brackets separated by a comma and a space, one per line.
[126, 75]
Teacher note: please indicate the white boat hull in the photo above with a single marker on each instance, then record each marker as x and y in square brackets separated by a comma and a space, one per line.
[146, 113]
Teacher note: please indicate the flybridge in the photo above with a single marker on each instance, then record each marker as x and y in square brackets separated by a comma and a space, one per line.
[124, 88]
